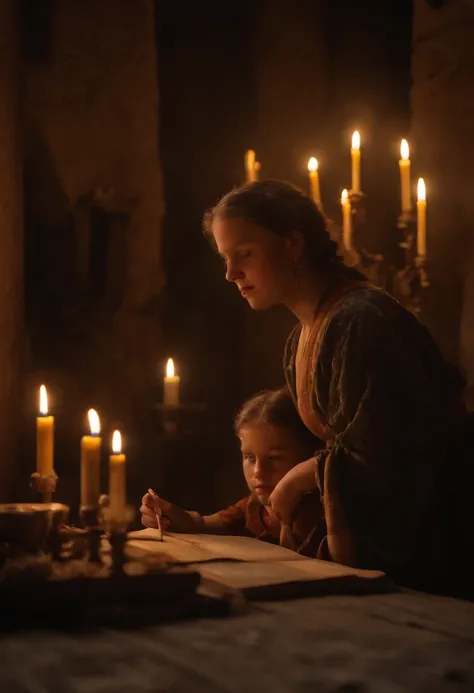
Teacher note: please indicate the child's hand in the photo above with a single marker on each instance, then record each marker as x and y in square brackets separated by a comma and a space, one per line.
[173, 517]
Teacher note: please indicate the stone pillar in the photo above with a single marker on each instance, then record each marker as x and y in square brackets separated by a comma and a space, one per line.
[11, 242]
[443, 135]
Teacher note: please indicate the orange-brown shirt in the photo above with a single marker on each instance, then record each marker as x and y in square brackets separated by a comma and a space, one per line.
[248, 517]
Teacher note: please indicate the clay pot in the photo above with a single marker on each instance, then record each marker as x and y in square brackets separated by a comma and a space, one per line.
[27, 527]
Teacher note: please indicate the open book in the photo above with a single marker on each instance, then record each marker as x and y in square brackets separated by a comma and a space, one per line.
[259, 569]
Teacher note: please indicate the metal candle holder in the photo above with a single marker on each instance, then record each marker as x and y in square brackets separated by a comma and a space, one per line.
[91, 522]
[115, 523]
[409, 282]
[44, 484]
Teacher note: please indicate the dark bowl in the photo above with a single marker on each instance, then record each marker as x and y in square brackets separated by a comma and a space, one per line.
[27, 526]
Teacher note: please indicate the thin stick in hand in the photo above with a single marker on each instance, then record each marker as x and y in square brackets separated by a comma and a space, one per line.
[158, 514]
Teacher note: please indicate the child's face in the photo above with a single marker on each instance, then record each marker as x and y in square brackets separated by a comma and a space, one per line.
[268, 453]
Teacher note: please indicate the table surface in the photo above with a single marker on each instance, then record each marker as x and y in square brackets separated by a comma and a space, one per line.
[385, 643]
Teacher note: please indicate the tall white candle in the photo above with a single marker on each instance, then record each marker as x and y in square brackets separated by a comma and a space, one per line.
[171, 386]
[421, 218]
[90, 463]
[346, 220]
[405, 179]
[313, 173]
[117, 478]
[44, 436]
[251, 166]
[355, 156]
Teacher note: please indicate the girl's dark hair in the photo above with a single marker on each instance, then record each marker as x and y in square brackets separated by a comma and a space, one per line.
[281, 208]
[276, 407]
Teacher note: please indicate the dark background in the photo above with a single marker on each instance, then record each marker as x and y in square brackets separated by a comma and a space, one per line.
[156, 104]
[218, 70]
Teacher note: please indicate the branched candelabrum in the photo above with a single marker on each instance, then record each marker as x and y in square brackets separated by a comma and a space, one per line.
[406, 283]
[409, 282]
[353, 251]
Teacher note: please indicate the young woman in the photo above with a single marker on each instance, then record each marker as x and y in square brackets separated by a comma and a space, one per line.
[273, 440]
[369, 380]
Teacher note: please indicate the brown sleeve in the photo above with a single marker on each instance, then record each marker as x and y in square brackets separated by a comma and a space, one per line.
[234, 517]
[378, 476]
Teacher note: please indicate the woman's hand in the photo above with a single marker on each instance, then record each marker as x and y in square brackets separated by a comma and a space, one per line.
[287, 493]
[172, 516]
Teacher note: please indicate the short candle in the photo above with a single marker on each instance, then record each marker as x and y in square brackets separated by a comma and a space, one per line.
[171, 384]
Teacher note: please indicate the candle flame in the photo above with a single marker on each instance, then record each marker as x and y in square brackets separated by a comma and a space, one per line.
[43, 400]
[421, 190]
[344, 197]
[170, 368]
[404, 150]
[116, 443]
[313, 164]
[94, 422]
[356, 140]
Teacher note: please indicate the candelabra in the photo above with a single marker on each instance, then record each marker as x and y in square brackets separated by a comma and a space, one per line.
[410, 281]
[406, 283]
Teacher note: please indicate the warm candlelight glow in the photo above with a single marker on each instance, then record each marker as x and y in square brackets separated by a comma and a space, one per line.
[170, 368]
[421, 190]
[94, 422]
[344, 197]
[404, 150]
[356, 140]
[43, 401]
[116, 443]
[313, 164]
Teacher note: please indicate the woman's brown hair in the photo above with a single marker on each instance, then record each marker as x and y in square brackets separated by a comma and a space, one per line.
[281, 208]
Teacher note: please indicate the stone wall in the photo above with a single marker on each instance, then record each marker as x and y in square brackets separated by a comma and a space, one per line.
[11, 249]
[443, 135]
[91, 160]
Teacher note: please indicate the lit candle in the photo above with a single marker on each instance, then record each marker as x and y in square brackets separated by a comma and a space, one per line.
[405, 182]
[421, 218]
[44, 436]
[313, 172]
[117, 486]
[171, 386]
[251, 166]
[355, 155]
[90, 463]
[346, 220]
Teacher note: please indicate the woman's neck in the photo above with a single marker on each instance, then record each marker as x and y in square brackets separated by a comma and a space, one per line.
[304, 300]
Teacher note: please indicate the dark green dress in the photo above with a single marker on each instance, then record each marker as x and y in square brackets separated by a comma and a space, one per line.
[396, 475]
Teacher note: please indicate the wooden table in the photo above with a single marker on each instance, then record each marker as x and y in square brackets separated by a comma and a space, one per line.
[385, 643]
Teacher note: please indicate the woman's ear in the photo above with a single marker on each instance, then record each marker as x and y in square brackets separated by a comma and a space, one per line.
[296, 244]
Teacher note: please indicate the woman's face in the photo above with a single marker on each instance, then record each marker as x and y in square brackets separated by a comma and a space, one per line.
[258, 261]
